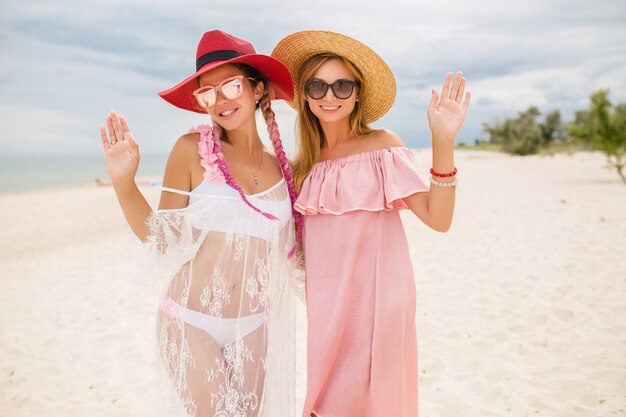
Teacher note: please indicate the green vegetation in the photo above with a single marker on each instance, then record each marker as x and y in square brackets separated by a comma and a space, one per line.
[601, 127]
[604, 127]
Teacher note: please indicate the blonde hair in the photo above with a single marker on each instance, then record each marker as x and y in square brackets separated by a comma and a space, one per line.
[310, 134]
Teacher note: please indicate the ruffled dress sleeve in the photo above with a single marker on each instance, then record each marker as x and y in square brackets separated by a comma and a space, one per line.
[371, 181]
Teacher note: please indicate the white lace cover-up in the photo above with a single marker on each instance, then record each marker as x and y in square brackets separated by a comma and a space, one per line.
[228, 265]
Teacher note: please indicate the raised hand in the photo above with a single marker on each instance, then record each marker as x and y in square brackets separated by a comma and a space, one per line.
[121, 152]
[447, 113]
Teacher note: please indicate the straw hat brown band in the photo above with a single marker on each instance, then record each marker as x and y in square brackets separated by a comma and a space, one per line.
[379, 90]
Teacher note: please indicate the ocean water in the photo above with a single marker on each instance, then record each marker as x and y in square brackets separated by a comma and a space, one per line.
[20, 173]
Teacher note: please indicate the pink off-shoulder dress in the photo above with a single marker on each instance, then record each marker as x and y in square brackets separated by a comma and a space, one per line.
[362, 342]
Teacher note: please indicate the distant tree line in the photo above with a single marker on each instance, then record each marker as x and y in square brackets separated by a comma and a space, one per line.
[600, 127]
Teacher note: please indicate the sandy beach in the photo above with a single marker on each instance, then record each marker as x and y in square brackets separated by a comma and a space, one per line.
[521, 305]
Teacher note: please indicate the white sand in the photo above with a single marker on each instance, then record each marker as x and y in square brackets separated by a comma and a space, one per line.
[521, 305]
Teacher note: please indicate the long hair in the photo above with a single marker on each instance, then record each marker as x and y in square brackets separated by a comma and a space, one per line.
[311, 137]
[272, 128]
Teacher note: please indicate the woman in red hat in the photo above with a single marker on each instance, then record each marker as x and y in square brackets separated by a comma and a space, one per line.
[222, 236]
[353, 180]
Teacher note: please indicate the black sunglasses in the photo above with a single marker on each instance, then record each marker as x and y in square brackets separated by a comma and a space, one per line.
[317, 89]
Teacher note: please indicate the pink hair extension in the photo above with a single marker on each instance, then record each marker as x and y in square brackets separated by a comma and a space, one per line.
[221, 163]
[272, 129]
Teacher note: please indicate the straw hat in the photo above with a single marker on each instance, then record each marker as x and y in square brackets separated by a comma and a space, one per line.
[379, 89]
[217, 48]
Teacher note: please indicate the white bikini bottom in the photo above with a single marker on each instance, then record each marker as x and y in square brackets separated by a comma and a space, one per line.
[222, 330]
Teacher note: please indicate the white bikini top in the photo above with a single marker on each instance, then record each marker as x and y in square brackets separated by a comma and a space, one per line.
[249, 225]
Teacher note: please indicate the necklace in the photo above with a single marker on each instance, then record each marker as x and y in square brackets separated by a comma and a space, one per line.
[252, 171]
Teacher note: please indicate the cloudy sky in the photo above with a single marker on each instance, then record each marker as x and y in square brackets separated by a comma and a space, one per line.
[65, 63]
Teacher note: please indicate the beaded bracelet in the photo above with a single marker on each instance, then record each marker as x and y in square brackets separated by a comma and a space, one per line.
[444, 184]
[436, 174]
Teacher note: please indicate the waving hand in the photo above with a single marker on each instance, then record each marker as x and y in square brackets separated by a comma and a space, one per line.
[121, 152]
[447, 113]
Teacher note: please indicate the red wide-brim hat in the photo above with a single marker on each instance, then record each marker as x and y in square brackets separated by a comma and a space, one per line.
[217, 48]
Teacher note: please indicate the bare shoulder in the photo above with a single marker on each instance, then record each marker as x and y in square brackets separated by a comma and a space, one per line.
[183, 157]
[184, 153]
[383, 139]
[186, 145]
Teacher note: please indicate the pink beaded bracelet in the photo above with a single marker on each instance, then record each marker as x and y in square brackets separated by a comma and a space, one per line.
[436, 174]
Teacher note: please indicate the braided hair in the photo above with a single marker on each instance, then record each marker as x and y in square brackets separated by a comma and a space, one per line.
[223, 166]
[272, 128]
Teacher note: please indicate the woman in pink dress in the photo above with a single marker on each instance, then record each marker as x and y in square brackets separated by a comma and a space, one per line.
[352, 182]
